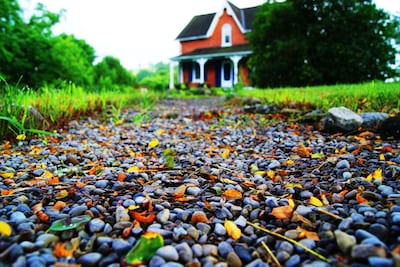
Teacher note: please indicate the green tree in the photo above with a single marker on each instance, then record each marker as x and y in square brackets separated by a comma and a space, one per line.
[156, 77]
[71, 60]
[307, 42]
[24, 45]
[110, 72]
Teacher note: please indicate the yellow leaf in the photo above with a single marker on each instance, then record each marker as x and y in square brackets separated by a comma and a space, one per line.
[61, 194]
[47, 175]
[232, 230]
[289, 162]
[153, 143]
[375, 175]
[5, 229]
[134, 169]
[228, 181]
[381, 157]
[291, 203]
[160, 131]
[7, 175]
[315, 201]
[225, 153]
[21, 137]
[271, 174]
[291, 185]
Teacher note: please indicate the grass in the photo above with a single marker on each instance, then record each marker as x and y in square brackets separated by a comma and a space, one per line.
[364, 97]
[25, 111]
[60, 106]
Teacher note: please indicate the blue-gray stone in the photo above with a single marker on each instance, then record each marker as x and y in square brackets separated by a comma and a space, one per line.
[169, 253]
[243, 253]
[120, 246]
[380, 262]
[293, 261]
[17, 217]
[185, 252]
[77, 210]
[224, 248]
[157, 261]
[96, 225]
[90, 259]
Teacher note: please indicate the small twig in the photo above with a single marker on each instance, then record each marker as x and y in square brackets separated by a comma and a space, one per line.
[329, 213]
[289, 240]
[271, 254]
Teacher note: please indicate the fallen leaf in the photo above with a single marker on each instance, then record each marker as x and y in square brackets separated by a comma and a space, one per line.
[5, 229]
[153, 143]
[121, 177]
[180, 191]
[59, 205]
[232, 194]
[315, 202]
[309, 234]
[69, 223]
[20, 137]
[282, 212]
[7, 175]
[134, 169]
[143, 218]
[232, 230]
[145, 248]
[225, 153]
[360, 199]
[6, 192]
[375, 175]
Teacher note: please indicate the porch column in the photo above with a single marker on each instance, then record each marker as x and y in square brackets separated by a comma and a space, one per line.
[201, 62]
[171, 75]
[235, 60]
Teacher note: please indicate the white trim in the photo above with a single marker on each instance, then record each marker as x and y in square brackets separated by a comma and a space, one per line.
[217, 16]
[208, 56]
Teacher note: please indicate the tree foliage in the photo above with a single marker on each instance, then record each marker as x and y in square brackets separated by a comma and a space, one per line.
[31, 55]
[308, 42]
[109, 72]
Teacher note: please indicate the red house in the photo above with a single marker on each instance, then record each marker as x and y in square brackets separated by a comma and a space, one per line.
[214, 50]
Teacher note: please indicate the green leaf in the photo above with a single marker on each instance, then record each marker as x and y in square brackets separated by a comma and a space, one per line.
[69, 223]
[145, 248]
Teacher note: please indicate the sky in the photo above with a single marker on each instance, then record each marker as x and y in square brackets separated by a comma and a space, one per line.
[137, 32]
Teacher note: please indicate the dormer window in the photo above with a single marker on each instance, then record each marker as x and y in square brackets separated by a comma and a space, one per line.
[226, 35]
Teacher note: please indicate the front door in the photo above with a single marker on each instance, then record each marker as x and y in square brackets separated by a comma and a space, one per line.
[226, 74]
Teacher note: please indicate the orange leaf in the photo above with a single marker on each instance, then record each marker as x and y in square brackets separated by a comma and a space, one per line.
[360, 199]
[308, 234]
[180, 191]
[121, 177]
[7, 192]
[59, 205]
[282, 212]
[232, 230]
[54, 180]
[303, 152]
[232, 194]
[143, 218]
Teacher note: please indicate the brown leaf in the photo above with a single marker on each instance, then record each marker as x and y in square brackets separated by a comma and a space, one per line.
[282, 212]
[232, 194]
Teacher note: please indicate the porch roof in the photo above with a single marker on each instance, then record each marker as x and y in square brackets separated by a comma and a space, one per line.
[215, 52]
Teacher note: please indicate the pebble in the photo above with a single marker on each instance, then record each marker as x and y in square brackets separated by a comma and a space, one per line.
[168, 253]
[265, 165]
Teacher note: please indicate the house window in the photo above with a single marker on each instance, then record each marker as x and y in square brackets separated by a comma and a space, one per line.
[195, 72]
[226, 35]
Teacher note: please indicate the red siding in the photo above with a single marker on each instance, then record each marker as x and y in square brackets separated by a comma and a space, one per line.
[215, 39]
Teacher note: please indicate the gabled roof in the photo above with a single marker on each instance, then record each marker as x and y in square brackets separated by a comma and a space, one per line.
[201, 25]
